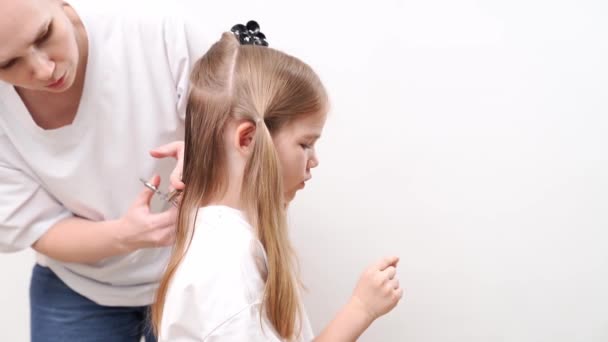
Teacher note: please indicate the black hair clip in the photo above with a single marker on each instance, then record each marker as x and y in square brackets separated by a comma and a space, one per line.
[250, 34]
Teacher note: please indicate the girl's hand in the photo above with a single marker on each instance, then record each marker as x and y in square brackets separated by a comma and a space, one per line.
[378, 290]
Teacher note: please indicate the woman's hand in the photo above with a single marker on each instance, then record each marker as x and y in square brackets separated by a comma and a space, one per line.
[141, 228]
[175, 150]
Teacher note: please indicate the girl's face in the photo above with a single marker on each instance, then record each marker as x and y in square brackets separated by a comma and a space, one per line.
[39, 50]
[295, 144]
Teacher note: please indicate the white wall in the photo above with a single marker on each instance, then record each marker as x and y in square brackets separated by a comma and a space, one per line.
[14, 293]
[467, 137]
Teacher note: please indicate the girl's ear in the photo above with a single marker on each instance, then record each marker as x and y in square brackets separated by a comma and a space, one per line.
[245, 137]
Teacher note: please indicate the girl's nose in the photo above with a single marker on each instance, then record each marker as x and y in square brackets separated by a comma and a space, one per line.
[313, 161]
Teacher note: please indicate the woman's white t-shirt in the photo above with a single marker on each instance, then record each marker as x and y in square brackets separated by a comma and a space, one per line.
[133, 100]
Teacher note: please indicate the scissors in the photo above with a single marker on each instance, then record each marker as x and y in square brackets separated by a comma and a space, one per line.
[170, 197]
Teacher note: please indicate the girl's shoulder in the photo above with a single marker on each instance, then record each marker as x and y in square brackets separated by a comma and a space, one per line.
[224, 242]
[224, 263]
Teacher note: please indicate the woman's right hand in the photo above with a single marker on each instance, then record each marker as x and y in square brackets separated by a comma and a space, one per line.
[378, 290]
[140, 228]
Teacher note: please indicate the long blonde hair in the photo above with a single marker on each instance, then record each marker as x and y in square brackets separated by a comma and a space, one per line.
[233, 81]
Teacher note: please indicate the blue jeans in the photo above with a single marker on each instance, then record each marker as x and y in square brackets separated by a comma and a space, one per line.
[58, 314]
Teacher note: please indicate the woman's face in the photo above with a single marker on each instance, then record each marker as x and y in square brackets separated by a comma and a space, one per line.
[39, 49]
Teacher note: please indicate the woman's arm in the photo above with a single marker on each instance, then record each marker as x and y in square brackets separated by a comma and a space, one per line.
[79, 240]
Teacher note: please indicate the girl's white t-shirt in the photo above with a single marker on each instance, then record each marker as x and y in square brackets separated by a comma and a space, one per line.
[217, 291]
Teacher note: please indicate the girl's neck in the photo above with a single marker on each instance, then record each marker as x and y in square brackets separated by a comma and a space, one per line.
[232, 195]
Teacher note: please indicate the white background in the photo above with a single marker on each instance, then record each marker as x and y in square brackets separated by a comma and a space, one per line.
[467, 137]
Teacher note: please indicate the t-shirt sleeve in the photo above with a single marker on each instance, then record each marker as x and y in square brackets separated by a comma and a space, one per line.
[217, 293]
[186, 41]
[27, 211]
[246, 325]
[188, 325]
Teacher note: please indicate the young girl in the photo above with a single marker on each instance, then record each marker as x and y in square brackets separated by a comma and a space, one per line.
[253, 117]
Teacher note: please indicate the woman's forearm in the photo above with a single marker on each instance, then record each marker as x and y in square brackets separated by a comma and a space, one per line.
[81, 241]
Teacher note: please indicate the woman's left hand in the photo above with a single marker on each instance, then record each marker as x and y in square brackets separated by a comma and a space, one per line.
[175, 150]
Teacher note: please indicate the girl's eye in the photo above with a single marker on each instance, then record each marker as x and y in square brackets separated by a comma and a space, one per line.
[305, 146]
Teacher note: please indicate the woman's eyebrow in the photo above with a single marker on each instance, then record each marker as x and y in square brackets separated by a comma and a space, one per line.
[41, 31]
